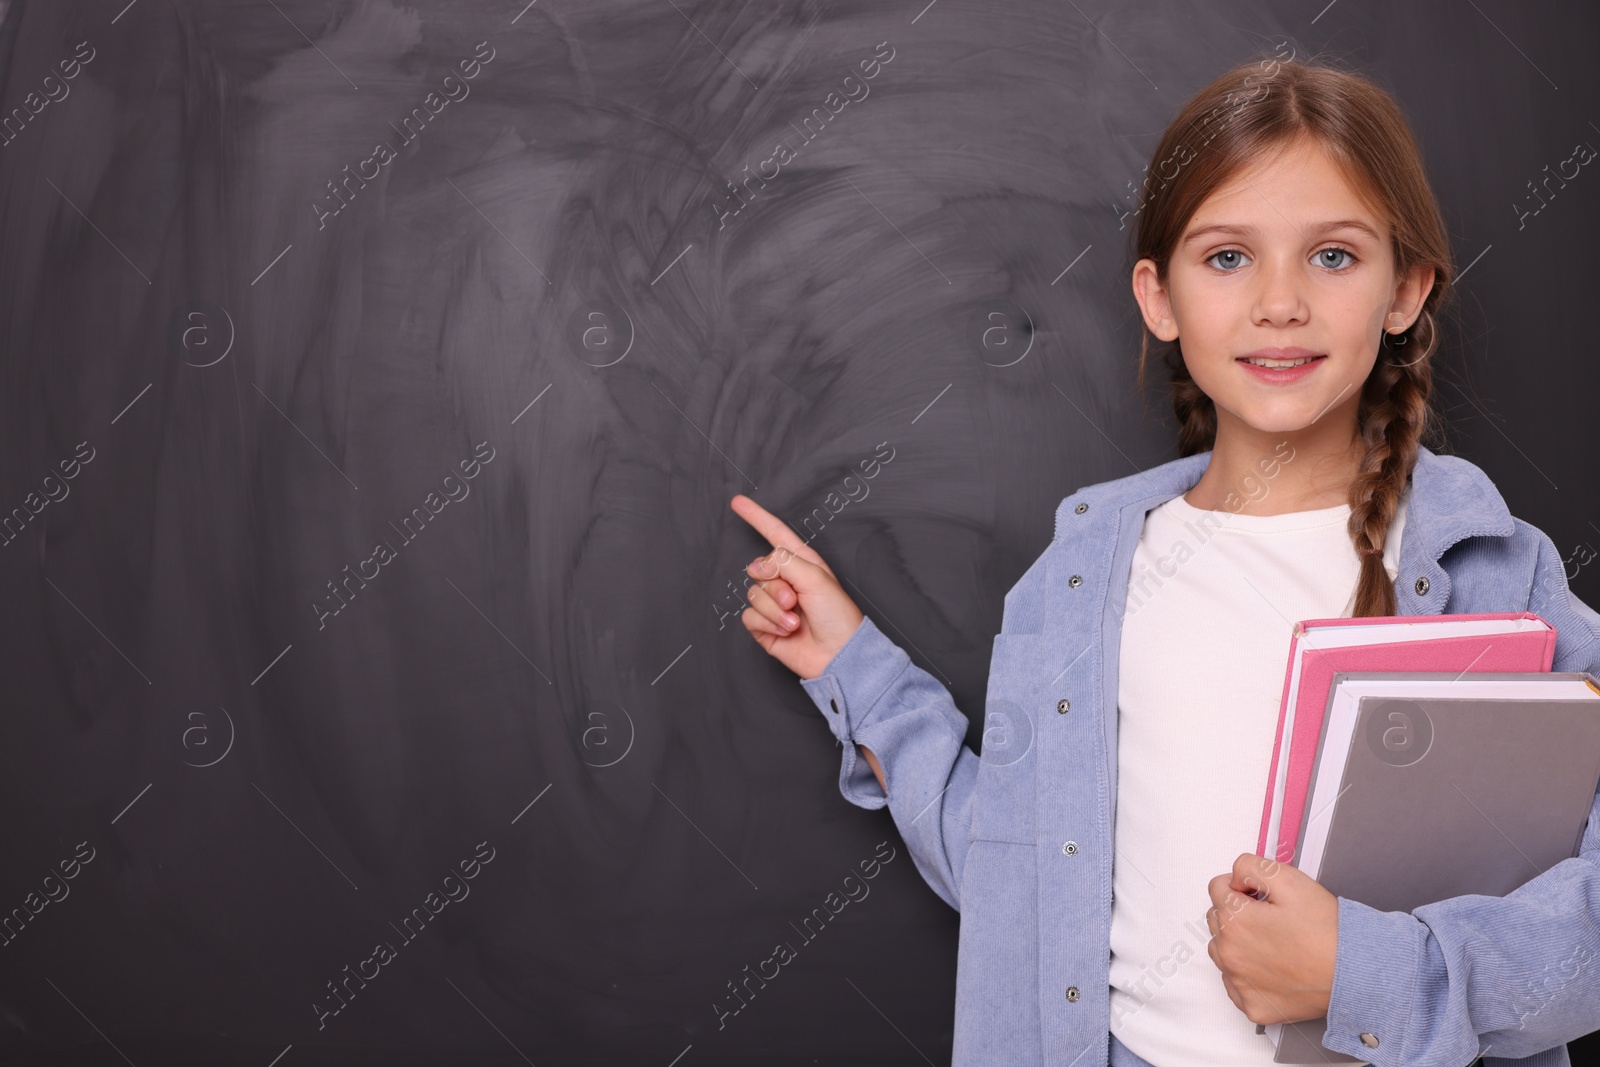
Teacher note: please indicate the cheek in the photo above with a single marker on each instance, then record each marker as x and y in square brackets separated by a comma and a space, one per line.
[1354, 314]
[1376, 314]
[1210, 321]
[1203, 300]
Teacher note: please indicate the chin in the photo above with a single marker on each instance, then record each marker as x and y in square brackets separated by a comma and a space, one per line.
[1276, 421]
[1278, 426]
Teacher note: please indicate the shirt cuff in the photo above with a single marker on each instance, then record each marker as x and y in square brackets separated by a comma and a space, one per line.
[1374, 984]
[849, 690]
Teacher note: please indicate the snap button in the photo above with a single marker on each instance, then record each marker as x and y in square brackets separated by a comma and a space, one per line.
[834, 704]
[1422, 586]
[1075, 581]
[1063, 706]
[1370, 1040]
[1072, 993]
[1080, 509]
[1070, 848]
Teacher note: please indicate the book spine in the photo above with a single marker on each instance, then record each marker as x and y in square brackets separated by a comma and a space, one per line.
[1278, 742]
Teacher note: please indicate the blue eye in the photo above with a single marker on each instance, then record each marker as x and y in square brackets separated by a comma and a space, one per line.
[1334, 259]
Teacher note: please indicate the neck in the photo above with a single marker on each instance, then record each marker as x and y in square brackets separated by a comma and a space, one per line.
[1265, 472]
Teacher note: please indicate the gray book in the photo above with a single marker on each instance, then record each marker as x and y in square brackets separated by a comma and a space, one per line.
[1459, 783]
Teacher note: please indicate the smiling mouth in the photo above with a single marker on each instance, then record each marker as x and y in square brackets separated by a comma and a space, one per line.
[1279, 362]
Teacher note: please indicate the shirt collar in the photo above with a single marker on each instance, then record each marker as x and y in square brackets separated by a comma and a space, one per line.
[1451, 499]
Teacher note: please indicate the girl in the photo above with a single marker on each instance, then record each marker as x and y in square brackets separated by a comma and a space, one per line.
[1291, 254]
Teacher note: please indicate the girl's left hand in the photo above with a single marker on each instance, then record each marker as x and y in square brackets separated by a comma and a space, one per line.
[1277, 949]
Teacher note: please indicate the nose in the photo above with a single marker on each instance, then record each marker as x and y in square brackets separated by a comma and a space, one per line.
[1279, 300]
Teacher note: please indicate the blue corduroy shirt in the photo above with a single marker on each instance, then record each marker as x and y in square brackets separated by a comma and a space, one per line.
[1020, 840]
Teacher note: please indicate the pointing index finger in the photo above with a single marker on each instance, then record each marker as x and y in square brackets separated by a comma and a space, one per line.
[765, 522]
[774, 529]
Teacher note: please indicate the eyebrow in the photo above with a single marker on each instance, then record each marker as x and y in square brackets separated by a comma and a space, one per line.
[1248, 231]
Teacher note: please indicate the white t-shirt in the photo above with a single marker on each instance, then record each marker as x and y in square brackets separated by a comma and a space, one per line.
[1212, 599]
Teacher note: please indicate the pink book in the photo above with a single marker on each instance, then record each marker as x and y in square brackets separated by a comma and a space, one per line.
[1320, 648]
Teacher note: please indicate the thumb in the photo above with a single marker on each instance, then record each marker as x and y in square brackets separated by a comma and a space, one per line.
[1253, 874]
[805, 576]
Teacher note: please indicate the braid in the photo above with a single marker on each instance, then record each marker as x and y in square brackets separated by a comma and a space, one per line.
[1197, 414]
[1394, 415]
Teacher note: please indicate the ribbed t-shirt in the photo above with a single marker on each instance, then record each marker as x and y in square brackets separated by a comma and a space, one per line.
[1212, 599]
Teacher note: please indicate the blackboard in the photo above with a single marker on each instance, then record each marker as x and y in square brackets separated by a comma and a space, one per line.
[375, 377]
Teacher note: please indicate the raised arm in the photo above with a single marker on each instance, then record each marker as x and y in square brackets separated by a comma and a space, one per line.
[898, 718]
[876, 700]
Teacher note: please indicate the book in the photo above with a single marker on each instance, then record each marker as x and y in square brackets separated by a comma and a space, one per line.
[1320, 648]
[1430, 785]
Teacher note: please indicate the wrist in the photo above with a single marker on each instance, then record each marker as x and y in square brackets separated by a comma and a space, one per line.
[831, 650]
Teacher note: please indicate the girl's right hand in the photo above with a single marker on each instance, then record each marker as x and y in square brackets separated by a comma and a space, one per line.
[794, 584]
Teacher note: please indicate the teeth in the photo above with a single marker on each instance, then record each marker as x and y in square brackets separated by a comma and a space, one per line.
[1280, 362]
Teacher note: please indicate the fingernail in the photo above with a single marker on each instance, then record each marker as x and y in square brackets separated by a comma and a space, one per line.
[790, 620]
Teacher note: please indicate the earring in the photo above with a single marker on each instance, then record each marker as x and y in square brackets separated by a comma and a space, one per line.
[1400, 330]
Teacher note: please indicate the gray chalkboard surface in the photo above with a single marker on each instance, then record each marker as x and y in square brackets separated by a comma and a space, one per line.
[374, 377]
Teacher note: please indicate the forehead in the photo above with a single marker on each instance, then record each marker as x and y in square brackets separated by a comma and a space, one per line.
[1296, 182]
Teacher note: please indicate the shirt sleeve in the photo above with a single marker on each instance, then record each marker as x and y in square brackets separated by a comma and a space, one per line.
[872, 694]
[1508, 976]
[1504, 977]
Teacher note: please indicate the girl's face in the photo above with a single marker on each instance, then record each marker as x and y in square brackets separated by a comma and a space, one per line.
[1283, 261]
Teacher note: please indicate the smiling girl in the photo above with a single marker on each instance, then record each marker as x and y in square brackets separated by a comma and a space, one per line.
[1294, 265]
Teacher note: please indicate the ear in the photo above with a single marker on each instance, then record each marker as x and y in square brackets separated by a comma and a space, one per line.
[1409, 294]
[1154, 302]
